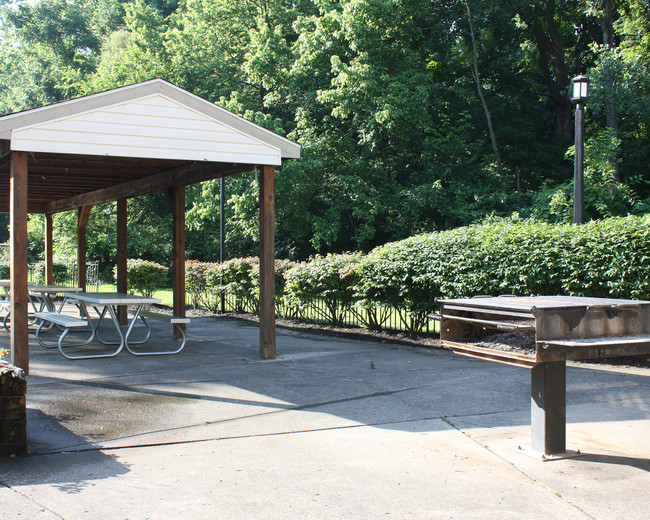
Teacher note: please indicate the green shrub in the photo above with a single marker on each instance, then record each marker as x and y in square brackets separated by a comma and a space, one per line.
[197, 286]
[239, 277]
[330, 279]
[144, 277]
[399, 275]
[608, 258]
[60, 273]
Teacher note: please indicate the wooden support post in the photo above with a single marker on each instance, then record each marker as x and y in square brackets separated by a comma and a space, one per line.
[267, 262]
[176, 199]
[49, 252]
[19, 339]
[82, 224]
[122, 234]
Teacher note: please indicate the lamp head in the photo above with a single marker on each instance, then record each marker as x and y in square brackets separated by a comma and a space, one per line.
[580, 89]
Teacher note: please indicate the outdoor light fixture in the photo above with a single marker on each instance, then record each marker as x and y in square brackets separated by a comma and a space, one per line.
[580, 95]
[580, 89]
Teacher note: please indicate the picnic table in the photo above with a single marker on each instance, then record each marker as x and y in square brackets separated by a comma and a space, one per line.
[104, 303]
[40, 297]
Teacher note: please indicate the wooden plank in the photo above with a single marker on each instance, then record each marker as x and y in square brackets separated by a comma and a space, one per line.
[267, 263]
[122, 243]
[49, 252]
[19, 339]
[178, 212]
[82, 224]
[183, 175]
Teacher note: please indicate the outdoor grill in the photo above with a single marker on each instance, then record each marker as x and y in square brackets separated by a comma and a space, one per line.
[542, 333]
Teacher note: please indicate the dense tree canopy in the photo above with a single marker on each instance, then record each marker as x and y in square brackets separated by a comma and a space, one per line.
[414, 115]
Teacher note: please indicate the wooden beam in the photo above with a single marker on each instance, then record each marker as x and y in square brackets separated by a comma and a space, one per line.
[82, 225]
[5, 150]
[188, 174]
[177, 198]
[267, 262]
[49, 252]
[32, 207]
[19, 339]
[122, 242]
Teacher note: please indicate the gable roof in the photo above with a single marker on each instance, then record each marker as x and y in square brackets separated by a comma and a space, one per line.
[153, 119]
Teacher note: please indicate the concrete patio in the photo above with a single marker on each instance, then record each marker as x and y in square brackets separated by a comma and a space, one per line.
[333, 428]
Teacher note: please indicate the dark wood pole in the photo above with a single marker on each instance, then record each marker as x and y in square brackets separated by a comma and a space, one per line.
[82, 225]
[122, 240]
[267, 262]
[177, 204]
[49, 252]
[19, 339]
[578, 169]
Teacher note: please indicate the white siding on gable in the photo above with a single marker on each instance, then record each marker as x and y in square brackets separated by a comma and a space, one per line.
[149, 127]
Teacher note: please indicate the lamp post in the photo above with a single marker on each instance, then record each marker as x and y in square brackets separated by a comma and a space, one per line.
[580, 95]
[222, 235]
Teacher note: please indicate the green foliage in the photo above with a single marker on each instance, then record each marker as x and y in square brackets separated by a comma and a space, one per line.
[380, 94]
[238, 277]
[607, 258]
[331, 279]
[144, 277]
[206, 282]
[197, 286]
[604, 196]
[60, 274]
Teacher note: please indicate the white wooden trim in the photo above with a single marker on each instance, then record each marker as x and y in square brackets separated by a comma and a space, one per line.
[12, 123]
[146, 128]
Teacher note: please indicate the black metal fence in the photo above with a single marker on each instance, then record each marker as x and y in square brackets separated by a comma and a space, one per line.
[66, 273]
[316, 311]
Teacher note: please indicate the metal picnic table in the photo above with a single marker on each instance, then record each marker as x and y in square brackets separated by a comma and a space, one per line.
[103, 303]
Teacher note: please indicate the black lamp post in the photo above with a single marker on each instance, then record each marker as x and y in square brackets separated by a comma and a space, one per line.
[580, 95]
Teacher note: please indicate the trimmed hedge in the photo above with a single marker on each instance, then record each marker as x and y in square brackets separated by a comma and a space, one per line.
[332, 279]
[608, 258]
[205, 282]
[144, 277]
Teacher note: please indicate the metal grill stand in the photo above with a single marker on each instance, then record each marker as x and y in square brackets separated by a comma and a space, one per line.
[565, 328]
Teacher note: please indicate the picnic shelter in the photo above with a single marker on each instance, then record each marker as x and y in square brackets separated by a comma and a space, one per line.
[139, 139]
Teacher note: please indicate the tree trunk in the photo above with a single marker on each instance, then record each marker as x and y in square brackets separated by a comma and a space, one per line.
[552, 64]
[479, 88]
[607, 25]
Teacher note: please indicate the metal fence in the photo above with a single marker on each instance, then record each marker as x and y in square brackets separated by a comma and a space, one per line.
[66, 273]
[385, 317]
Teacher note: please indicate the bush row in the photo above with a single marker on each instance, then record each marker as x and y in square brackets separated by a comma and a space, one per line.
[61, 273]
[609, 258]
